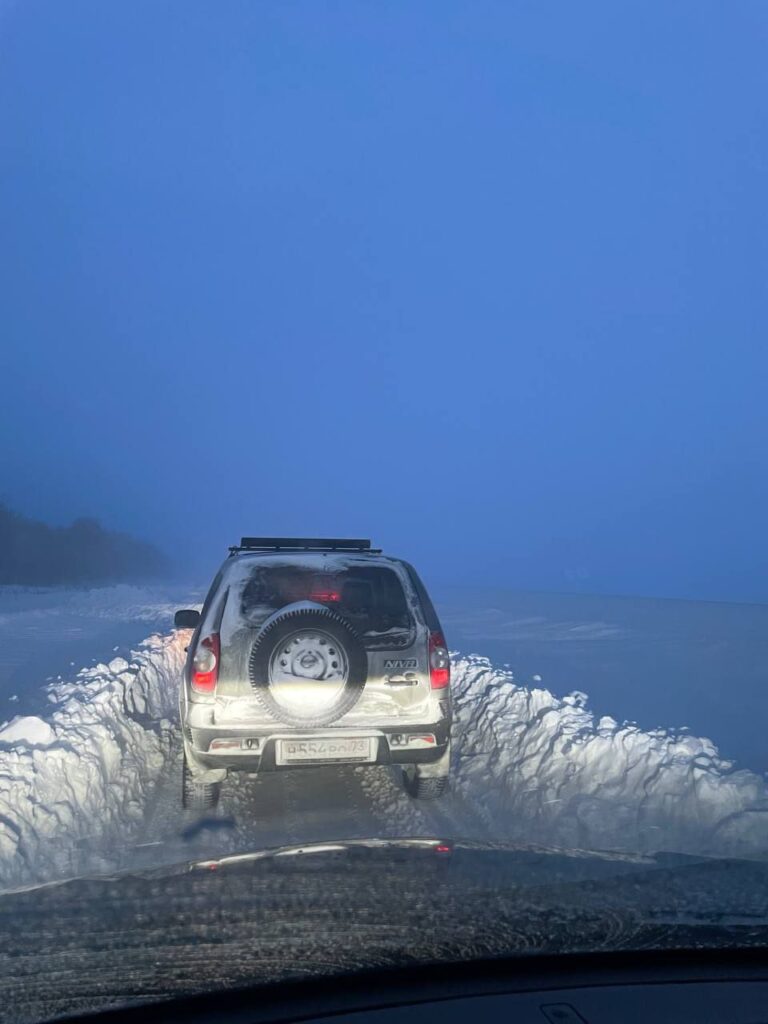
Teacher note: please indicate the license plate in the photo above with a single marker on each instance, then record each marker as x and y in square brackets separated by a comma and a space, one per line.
[343, 748]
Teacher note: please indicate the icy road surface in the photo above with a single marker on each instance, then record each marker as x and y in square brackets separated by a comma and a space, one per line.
[92, 782]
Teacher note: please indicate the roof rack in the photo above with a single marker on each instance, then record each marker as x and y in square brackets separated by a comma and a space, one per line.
[303, 544]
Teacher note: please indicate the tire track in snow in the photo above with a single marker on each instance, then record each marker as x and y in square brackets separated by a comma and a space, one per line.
[292, 808]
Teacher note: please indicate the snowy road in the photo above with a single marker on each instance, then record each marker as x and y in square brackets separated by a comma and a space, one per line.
[290, 809]
[90, 778]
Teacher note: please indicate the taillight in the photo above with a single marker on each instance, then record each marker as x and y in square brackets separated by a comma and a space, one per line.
[439, 662]
[205, 664]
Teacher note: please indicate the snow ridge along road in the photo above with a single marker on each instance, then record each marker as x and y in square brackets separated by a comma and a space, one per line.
[75, 784]
[93, 785]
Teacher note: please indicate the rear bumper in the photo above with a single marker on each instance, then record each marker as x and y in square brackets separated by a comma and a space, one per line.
[257, 750]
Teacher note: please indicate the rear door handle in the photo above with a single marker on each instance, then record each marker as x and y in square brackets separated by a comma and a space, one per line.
[409, 679]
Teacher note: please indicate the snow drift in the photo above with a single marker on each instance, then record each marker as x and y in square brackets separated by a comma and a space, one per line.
[78, 785]
[544, 769]
[84, 776]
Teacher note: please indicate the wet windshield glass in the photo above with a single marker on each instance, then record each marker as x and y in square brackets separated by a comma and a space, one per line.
[383, 491]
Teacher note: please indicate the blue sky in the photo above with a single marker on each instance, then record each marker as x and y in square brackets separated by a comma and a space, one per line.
[486, 281]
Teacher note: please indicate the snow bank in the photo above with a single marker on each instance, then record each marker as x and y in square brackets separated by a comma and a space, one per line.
[79, 786]
[87, 773]
[540, 768]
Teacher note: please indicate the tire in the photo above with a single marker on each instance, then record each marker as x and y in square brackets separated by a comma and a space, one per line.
[197, 796]
[318, 646]
[421, 788]
[428, 781]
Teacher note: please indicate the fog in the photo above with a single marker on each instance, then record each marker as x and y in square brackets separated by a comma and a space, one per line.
[481, 282]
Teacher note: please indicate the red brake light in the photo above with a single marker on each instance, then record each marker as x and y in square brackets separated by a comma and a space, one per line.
[205, 664]
[439, 662]
[325, 596]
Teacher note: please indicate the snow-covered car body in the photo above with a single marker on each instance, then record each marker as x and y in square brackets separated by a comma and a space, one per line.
[316, 652]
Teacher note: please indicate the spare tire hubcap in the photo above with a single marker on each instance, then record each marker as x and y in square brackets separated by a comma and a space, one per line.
[307, 671]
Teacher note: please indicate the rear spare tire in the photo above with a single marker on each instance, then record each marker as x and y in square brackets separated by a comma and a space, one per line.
[308, 667]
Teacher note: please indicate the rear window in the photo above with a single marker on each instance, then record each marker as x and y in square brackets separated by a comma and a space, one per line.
[370, 598]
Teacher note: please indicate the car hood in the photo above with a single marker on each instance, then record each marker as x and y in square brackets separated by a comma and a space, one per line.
[335, 908]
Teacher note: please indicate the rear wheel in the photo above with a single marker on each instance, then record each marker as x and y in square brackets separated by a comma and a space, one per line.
[427, 781]
[196, 795]
[425, 789]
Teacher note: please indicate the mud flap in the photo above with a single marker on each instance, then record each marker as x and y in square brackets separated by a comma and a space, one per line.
[199, 772]
[437, 769]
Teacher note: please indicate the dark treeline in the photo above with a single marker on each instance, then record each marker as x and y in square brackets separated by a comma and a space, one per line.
[36, 554]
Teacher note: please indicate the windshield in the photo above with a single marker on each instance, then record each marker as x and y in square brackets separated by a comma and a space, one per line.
[383, 492]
